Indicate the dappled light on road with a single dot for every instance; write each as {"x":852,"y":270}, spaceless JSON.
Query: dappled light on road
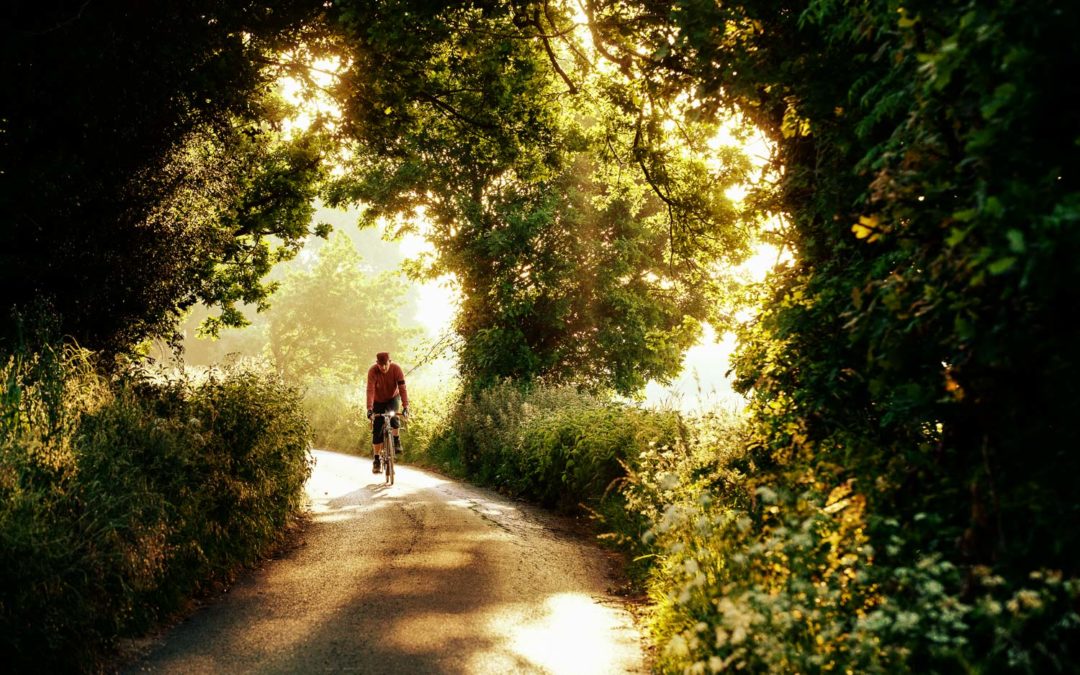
{"x":426,"y":576}
{"x":572,"y":635}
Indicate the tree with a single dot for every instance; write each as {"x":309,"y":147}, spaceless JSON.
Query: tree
{"x":583,"y":238}
{"x":142,"y":162}
{"x":914,"y":351}
{"x":330,"y":321}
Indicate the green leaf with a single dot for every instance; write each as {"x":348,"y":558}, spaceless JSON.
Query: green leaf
{"x":956,"y":235}
{"x":1002,"y":265}
{"x":1016,"y":241}
{"x":1001,"y":97}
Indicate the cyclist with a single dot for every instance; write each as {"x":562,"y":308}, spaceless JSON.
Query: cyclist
{"x":385,"y":391}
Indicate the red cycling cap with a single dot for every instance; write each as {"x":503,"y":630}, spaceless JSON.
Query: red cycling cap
{"x":382,"y":358}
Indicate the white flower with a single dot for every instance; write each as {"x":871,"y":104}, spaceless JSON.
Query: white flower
{"x":767,"y":494}
{"x":677,"y":646}
{"x":721,"y":637}
{"x":738,"y":635}
{"x":667,"y":481}
{"x":905,"y":620}
{"x":1029,"y":599}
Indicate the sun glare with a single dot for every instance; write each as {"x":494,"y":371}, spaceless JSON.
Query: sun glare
{"x":439,"y":299}
{"x":310,"y":97}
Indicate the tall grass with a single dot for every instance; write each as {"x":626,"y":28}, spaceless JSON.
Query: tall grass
{"x":120,"y":498}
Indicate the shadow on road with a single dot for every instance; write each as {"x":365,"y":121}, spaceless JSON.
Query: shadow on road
{"x":404,"y":580}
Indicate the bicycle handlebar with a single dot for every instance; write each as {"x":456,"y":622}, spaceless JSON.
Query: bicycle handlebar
{"x":389,"y":414}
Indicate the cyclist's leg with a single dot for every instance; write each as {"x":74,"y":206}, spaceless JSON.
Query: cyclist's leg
{"x":377,"y":434}
{"x":395,"y":424}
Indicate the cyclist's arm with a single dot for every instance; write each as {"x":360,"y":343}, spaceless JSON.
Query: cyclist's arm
{"x":402,"y":390}
{"x":370,"y":390}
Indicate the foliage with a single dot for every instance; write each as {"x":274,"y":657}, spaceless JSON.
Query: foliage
{"x":548,"y":443}
{"x":331,"y":315}
{"x":120,"y":499}
{"x":912,"y":370}
{"x":143,"y":161}
{"x":913,"y":353}
{"x":336,"y":414}
{"x":581,"y":233}
{"x":775,"y":579}
{"x":329,"y":321}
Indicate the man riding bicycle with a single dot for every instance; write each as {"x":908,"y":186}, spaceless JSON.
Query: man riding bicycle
{"x":385,"y":390}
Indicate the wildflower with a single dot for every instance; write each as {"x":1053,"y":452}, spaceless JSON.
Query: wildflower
{"x":677,"y":646}
{"x":906,"y":620}
{"x":767,"y":494}
{"x":933,"y":587}
{"x":1029,"y":599}
{"x":738,"y":634}
{"x":667,"y":481}
{"x":721,"y":637}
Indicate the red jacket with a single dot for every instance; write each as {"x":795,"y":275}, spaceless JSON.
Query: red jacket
{"x":383,"y":387}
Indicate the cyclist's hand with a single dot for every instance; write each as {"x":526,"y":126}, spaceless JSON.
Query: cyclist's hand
{"x":370,"y":412}
{"x":405,"y":411}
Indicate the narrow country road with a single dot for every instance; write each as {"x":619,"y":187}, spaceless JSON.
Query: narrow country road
{"x":427,"y":576}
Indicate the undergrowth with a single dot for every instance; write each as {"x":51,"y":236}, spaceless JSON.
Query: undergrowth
{"x":753,"y":565}
{"x":121,"y":497}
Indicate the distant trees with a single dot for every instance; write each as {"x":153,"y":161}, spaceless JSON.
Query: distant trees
{"x":330,"y":321}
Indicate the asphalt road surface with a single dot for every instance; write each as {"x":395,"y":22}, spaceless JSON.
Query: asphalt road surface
{"x":427,"y":576}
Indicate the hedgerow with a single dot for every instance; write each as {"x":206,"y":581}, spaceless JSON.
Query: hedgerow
{"x":122,"y":497}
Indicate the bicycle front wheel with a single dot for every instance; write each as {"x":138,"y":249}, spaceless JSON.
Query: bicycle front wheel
{"x":388,"y":455}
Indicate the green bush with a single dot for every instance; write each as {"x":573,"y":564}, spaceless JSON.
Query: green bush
{"x":759,"y":568}
{"x":753,"y":564}
{"x":121,"y":498}
{"x":336,"y":413}
{"x":552,"y":444}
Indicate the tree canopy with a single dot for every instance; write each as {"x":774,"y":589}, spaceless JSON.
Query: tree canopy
{"x":143,"y":162}
{"x":581,"y":219}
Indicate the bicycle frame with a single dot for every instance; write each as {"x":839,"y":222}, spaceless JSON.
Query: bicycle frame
{"x":387,"y":452}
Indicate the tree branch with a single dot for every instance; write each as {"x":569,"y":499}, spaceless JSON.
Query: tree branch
{"x":535,"y":22}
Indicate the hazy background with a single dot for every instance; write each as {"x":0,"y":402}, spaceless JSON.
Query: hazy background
{"x":424,"y":311}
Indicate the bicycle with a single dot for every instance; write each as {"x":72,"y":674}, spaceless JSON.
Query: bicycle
{"x":387,"y":453}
